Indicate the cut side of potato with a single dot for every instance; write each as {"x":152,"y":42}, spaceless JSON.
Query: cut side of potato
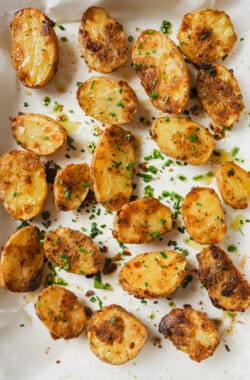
{"x":142,"y":221}
{"x":38,"y":133}
{"x":153,"y":274}
{"x":162,"y":71}
{"x":115,"y":336}
{"x":22,"y":261}
{"x":60,"y":312}
{"x":206,"y":35}
{"x":72,"y":251}
{"x":71,"y":186}
{"x":220,"y":94}
{"x":112,"y":167}
{"x":183,"y":139}
{"x":226,"y":286}
{"x":191,"y":331}
{"x":35,"y":51}
{"x":108,"y":100}
{"x":203,"y":216}
{"x":234,"y":184}
{"x":23,"y":186}
{"x":102,"y":41}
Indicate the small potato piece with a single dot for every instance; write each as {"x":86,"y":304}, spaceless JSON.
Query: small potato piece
{"x":23,"y":186}
{"x":203,"y":216}
{"x":73,"y":251}
{"x":115,"y":336}
{"x":142,"y":221}
{"x":71,"y":186}
{"x":162,"y":71}
{"x":38,"y":133}
{"x":183,"y":139}
{"x":102,"y":41}
{"x":22,"y":261}
{"x":112,"y":167}
{"x":108,"y":100}
{"x":153,"y":274}
{"x":220,"y":94}
{"x":35,"y":51}
{"x":234,"y":184}
{"x":226,"y":286}
{"x":191,"y":331}
{"x":60,"y":312}
{"x":206,"y":35}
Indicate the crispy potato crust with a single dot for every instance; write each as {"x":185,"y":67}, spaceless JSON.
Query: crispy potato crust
{"x":115,"y":336}
{"x":226,"y":286}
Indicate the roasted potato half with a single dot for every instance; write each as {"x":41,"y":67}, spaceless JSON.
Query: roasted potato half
{"x":234,"y":184}
{"x":112,"y":167}
{"x":38,"y":133}
{"x":220,"y":94}
{"x":22,"y":261}
{"x":153,"y":274}
{"x":23,"y":186}
{"x":72,"y":251}
{"x":60,"y":312}
{"x":206,"y":35}
{"x":102,"y":41}
{"x":35,"y":51}
{"x":115,"y":336}
{"x":108,"y":100}
{"x":162,"y":71}
{"x":141,"y":221}
{"x":191,"y":331}
{"x":203,"y":216}
{"x":226,"y":286}
{"x":183,"y":139}
{"x":71,"y":186}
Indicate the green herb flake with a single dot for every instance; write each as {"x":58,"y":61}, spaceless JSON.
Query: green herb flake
{"x":46,"y":101}
{"x":154,"y":95}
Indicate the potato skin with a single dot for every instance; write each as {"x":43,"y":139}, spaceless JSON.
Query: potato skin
{"x":22,"y":261}
{"x":153,"y":274}
{"x":234,"y":184}
{"x":115,"y":336}
{"x":35,"y":51}
{"x":162,"y":71}
{"x":141,"y":221}
{"x":102,"y":41}
{"x":203,"y":216}
{"x":226,"y":286}
{"x":191,"y":331}
{"x":183,"y":139}
{"x":60,"y":312}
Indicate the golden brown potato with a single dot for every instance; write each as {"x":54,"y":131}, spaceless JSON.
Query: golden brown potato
{"x":203,"y":216}
{"x":226,"y":286}
{"x":108,"y":100}
{"x":112,"y":167}
{"x":71,"y":186}
{"x":220,"y":94}
{"x":115,"y":335}
{"x":35,"y":49}
{"x":206,"y":35}
{"x":72,"y":251}
{"x":234,"y":184}
{"x":23,"y":186}
{"x":60,"y":312}
{"x":22,"y":261}
{"x":162,"y":71}
{"x":102,"y":41}
{"x":153,"y":274}
{"x":191,"y":331}
{"x":183,"y":139}
{"x":142,"y":221}
{"x":38,"y":133}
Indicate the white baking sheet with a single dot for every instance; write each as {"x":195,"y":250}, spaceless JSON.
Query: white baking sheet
{"x":26,"y":350}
